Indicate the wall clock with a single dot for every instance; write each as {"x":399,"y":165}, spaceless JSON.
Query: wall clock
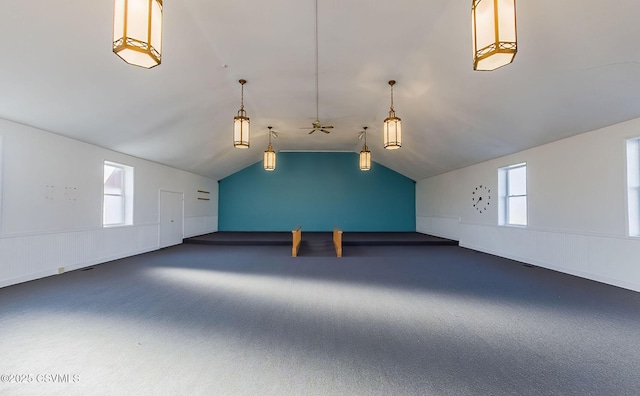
{"x":481,"y":198}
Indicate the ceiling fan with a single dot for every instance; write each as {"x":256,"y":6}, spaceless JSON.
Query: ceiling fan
{"x":317,"y":125}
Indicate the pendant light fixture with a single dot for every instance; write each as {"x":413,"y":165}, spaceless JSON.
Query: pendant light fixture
{"x":494,"y":33}
{"x":137,"y":32}
{"x":241,"y":124}
{"x":392,"y":129}
{"x":365,"y":154}
{"x":269,"y":154}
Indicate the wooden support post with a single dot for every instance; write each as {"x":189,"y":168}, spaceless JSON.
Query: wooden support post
{"x":337,"y":241}
{"x":297,"y":237}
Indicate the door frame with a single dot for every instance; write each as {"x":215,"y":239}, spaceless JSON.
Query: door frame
{"x":160,"y":191}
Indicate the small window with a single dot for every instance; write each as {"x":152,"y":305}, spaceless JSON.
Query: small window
{"x":633,"y":186}
{"x":512,"y":183}
{"x":118,"y":195}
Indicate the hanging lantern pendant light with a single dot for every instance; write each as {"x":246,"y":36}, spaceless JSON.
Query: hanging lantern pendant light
{"x":270,"y":155}
{"x":392,"y":127}
{"x":137,"y":32}
{"x":365,"y":154}
{"x":495,"y":41}
{"x":241,"y":124}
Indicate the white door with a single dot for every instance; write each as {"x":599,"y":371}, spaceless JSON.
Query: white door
{"x":171,"y":218}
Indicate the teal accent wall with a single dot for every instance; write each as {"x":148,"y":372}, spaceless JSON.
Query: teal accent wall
{"x":316,"y":191}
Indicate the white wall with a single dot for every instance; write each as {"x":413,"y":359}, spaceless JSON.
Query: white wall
{"x":51,"y":204}
{"x":577,"y":220}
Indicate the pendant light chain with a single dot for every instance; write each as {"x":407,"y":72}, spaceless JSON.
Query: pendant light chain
{"x":242,"y":82}
{"x":392,"y":112}
{"x":317,"y":89}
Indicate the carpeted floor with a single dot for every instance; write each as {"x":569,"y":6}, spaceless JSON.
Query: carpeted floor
{"x":216,"y":320}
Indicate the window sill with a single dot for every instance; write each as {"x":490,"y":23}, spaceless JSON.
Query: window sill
{"x":116,"y":225}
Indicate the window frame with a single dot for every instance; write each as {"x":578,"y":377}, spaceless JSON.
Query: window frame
{"x":505,"y":195}
{"x":126,"y":195}
{"x":633,"y":186}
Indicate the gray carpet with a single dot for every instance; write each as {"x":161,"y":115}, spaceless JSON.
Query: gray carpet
{"x":215,"y":320}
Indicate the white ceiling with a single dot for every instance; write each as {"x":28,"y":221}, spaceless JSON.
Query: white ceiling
{"x":577,"y":69}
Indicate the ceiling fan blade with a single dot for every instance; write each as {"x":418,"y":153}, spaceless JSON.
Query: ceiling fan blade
{"x":328,"y":127}
{"x":312,"y":131}
{"x":324,"y":131}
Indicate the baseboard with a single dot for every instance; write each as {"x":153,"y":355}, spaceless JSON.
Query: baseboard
{"x":440,"y":235}
{"x":191,"y":235}
{"x":110,"y":258}
{"x":28,"y":277}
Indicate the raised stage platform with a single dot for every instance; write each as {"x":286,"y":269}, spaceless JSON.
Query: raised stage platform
{"x":348,"y":238}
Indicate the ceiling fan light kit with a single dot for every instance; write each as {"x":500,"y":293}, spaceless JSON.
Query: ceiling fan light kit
{"x":241,"y":124}
{"x":317,"y":126}
{"x":493,"y":25}
{"x":392,"y":127}
{"x":137,"y":32}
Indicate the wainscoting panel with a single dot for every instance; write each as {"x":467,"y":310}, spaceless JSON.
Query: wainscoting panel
{"x":603,"y":258}
{"x":31,"y":256}
{"x":444,"y":227}
{"x":28,"y":257}
{"x":200,"y":225}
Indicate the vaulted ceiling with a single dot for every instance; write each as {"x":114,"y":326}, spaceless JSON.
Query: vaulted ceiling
{"x":577,"y":69}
